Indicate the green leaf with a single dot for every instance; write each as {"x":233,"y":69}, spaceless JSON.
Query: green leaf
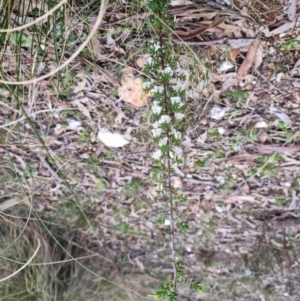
{"x":195,"y":286}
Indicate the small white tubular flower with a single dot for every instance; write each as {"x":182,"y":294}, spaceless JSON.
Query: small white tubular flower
{"x":179,"y":116}
{"x":177,"y":151}
{"x":164,"y":119}
{"x":156,"y":46}
{"x":182,"y":72}
{"x":163,"y":141}
{"x":156,"y":132}
{"x":180,"y":86}
{"x":157,"y":154}
{"x":156,"y":125}
{"x":176,"y":100}
{"x":147,"y":85}
{"x":177,"y":135}
{"x":159,"y":89}
{"x":156,"y":108}
{"x":149,"y":60}
{"x":168,"y":70}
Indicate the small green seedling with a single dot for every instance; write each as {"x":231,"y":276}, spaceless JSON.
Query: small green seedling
{"x":290,"y":45}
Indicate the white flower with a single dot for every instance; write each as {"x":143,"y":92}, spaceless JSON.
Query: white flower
{"x":164,"y":119}
{"x":177,"y":151}
{"x":156,"y":108}
{"x":179,"y":116}
{"x":147,"y":84}
{"x":182,"y":72}
{"x":168,"y":70}
{"x":149,"y":60}
{"x":176,"y":100}
{"x":180,"y":86}
{"x":159,"y":188}
{"x":163,"y":141}
{"x":157,"y":154}
{"x":74,"y":125}
{"x":156,"y":125}
{"x":156,"y":132}
{"x":176,"y":134}
{"x":159,"y":89}
{"x":156,"y":46}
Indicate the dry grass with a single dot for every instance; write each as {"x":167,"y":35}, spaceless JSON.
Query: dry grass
{"x":113,"y":187}
{"x":52,"y":274}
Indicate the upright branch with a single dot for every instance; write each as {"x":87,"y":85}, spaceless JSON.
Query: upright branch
{"x":167,"y":110}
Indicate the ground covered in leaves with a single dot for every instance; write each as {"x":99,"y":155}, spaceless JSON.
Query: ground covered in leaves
{"x":241,"y":142}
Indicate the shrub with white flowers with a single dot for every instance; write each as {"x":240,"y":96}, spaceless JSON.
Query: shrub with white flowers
{"x":168,"y":117}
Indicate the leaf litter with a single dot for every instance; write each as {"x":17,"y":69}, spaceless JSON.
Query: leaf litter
{"x":241,"y":180}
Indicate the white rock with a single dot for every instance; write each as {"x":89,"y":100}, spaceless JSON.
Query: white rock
{"x":221,"y":130}
{"x":111,"y":139}
{"x":272,"y":50}
{"x":199,"y":232}
{"x":279,"y":77}
{"x":188,"y":248}
{"x":225,"y":66}
{"x":220,"y":179}
{"x":167,"y":222}
{"x":74,"y":125}
{"x":217,"y":112}
{"x":261,"y":125}
{"x":219,"y":208}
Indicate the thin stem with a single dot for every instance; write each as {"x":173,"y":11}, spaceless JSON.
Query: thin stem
{"x":171,"y":211}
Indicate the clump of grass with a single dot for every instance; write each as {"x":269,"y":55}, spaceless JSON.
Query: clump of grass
{"x":52,"y":274}
{"x":133,"y":187}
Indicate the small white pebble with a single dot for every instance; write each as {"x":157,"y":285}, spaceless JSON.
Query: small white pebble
{"x":219,"y":209}
{"x":225,"y":66}
{"x":217,"y":112}
{"x":248,"y":272}
{"x":167,"y":222}
{"x":261,"y":124}
{"x":188,"y":248}
{"x":279,"y":77}
{"x":74,"y":125}
{"x":220,"y":179}
{"x":199,"y":232}
{"x":272,"y":50}
{"x":221,"y":130}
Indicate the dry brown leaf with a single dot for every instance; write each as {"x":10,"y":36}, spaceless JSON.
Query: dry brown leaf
{"x":95,"y":44}
{"x":234,"y":53}
{"x":131,"y":91}
{"x":242,"y":44}
{"x":248,"y":61}
{"x":236,"y":198}
{"x":259,"y":56}
{"x":230,"y":82}
{"x":82,"y":108}
{"x":140,"y":62}
{"x":283,"y":28}
{"x":291,"y":12}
